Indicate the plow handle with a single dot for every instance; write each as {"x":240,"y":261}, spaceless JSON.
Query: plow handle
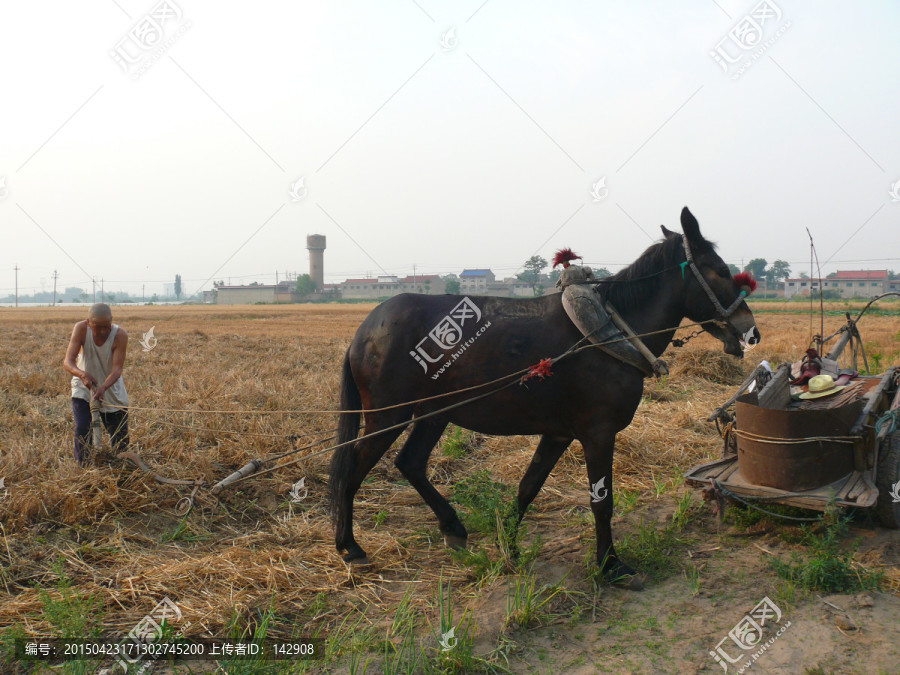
{"x":96,"y":435}
{"x":251,"y":467}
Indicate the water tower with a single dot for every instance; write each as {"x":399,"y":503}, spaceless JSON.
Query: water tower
{"x":315,"y":244}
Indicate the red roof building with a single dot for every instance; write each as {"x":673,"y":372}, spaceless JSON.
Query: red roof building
{"x":864,"y":275}
{"x":846,"y":283}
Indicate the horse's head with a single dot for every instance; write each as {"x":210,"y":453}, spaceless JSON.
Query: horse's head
{"x":711,"y":293}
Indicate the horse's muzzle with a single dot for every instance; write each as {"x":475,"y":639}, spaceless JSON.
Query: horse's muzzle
{"x":752,"y":336}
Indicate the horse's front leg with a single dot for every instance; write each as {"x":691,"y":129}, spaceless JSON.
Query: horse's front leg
{"x":598,"y":444}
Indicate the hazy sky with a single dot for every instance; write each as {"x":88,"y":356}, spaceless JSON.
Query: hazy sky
{"x":440,"y":135}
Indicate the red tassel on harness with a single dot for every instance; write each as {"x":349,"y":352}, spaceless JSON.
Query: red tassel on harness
{"x":564,"y":256}
{"x":541,"y":370}
{"x":744,"y":279}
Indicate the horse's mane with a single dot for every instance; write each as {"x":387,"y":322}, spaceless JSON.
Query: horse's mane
{"x":633,"y":286}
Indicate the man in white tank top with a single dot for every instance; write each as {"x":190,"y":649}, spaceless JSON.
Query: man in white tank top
{"x":99,"y":346}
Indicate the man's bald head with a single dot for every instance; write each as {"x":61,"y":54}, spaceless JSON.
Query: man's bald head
{"x":99,"y":311}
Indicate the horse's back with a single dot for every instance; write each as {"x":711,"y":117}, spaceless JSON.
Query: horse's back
{"x":414,"y":344}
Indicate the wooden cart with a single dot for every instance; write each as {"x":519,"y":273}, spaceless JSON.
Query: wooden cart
{"x":841,"y":450}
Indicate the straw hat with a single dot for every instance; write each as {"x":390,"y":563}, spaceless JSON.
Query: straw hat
{"x":821,"y":385}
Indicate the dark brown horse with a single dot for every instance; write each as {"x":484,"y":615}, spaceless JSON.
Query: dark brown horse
{"x":416,"y":346}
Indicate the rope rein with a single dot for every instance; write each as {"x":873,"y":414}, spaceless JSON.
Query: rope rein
{"x":574,"y":348}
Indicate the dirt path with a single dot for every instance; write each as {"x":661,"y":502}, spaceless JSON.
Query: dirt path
{"x":674,"y":624}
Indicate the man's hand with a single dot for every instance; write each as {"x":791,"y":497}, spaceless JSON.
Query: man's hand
{"x":88,"y":379}
{"x":98,"y":393}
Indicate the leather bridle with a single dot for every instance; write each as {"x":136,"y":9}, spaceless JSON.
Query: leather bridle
{"x":722,"y":312}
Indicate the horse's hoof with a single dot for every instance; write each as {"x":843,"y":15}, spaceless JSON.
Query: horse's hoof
{"x":358,"y":561}
{"x":622,"y":575}
{"x":629,"y":582}
{"x":456,"y":542}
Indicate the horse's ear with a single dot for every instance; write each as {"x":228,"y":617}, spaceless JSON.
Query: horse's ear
{"x":690,"y":226}
{"x":667,"y":232}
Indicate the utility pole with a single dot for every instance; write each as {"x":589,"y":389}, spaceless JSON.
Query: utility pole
{"x":16,"y":268}
{"x":101,"y":289}
{"x":55,"y":277}
{"x":142,"y":291}
{"x":94,"y":290}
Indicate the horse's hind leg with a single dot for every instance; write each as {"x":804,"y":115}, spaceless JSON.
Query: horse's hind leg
{"x":548,"y":452}
{"x":412,"y":461}
{"x":368,"y":450}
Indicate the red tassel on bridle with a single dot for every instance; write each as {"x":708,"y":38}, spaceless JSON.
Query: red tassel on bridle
{"x":541,"y":370}
{"x":744,"y":281}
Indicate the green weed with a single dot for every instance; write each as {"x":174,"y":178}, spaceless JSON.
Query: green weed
{"x":254,"y":629}
{"x":652,"y":549}
{"x":691,"y":574}
{"x":874,"y":357}
{"x":480,"y":498}
{"x":182,"y":532}
{"x":349,"y":638}
{"x":456,"y":641}
{"x":526,"y":603}
{"x":489,"y":508}
{"x":685,"y":510}
{"x":380,"y":517}
{"x":746,"y":517}
{"x":625,"y":500}
{"x":401,"y":652}
{"x":319,"y":604}
{"x":458,"y":442}
{"x":785,"y":594}
{"x":830,"y":565}
{"x":73,"y":614}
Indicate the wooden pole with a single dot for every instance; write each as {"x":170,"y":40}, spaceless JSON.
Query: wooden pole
{"x":659,"y":366}
{"x":95,"y":424}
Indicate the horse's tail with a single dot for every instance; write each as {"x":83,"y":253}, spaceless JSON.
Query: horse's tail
{"x":343,"y":461}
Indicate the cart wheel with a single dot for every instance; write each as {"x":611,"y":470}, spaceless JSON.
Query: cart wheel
{"x":888,"y":482}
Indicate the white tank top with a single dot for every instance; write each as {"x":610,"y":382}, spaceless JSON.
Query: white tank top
{"x":97,"y":361}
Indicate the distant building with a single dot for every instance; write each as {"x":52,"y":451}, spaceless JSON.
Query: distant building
{"x":255,"y":293}
{"x":508,"y":288}
{"x":209,"y":296}
{"x":848,"y":283}
{"x":475,"y":282}
{"x":389,"y":286}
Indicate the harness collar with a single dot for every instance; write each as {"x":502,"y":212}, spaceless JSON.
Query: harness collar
{"x":720,"y":310}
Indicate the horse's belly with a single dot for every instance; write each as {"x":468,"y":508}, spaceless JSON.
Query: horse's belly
{"x":515,"y":424}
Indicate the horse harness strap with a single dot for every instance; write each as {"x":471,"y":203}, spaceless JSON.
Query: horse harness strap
{"x":603,"y":325}
{"x":723,"y":313}
{"x":658,"y":367}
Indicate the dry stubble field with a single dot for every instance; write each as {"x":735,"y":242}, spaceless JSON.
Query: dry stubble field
{"x":91,"y":551}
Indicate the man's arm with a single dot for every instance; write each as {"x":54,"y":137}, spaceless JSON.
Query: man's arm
{"x":75,"y":344}
{"x":120,"y":345}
